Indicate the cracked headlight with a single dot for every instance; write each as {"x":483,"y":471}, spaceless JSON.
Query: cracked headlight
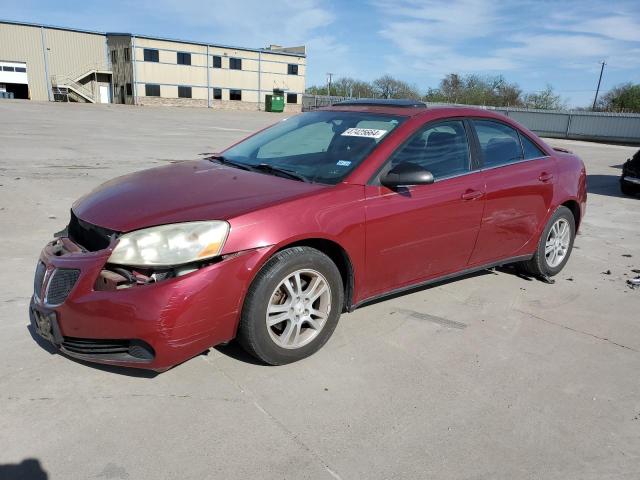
{"x":173,"y":244}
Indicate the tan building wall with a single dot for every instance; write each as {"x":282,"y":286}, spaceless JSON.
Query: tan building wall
{"x":68,"y":52}
{"x":261,"y":72}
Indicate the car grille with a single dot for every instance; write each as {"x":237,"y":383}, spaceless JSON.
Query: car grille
{"x":60,"y":285}
{"x":124,"y":350}
{"x":41,"y":270}
{"x":88,"y":236}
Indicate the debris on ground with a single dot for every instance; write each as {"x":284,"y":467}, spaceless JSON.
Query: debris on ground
{"x":627,"y":255}
{"x":570,"y":279}
{"x":634,"y":282}
{"x":545,"y":279}
{"x":608,"y":272}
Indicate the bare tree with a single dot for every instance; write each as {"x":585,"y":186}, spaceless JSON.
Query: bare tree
{"x":389,"y":87}
{"x":547,"y":99}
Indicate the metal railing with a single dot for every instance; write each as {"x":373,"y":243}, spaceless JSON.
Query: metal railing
{"x":62,"y":81}
{"x":570,"y":124}
{"x":80,"y":73}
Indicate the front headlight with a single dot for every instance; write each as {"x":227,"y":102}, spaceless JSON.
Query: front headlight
{"x":168,"y":245}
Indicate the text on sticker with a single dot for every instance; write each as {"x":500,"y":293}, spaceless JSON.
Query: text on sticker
{"x":363,"y":132}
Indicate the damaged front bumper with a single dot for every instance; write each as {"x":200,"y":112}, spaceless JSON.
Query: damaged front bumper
{"x":154,"y":326}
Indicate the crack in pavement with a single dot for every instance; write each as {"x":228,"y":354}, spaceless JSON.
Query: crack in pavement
{"x":128,"y":395}
{"x":296,"y":439}
{"x":575,"y":330}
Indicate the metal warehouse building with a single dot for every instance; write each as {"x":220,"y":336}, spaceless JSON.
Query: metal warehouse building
{"x":43,"y":62}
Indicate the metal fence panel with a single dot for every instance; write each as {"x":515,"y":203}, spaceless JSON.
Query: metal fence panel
{"x":553,"y":124}
{"x":601,"y":126}
{"x":615,"y":128}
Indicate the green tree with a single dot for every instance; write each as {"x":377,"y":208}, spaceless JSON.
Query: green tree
{"x":622,"y":98}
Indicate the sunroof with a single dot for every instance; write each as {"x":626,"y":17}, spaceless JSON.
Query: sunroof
{"x":383,"y":102}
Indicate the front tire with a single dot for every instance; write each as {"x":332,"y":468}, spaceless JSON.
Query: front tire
{"x":292,"y":306}
{"x":554,"y":246}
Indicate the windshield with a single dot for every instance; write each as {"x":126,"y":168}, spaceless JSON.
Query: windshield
{"x":321,"y":147}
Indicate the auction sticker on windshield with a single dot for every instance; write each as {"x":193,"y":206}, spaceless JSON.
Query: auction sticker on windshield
{"x":364,"y":132}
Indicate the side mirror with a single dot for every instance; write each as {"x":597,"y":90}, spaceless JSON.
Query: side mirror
{"x":407,"y":174}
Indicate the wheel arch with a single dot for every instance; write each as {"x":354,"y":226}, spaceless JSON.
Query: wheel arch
{"x":574,"y":207}
{"x":337,"y":254}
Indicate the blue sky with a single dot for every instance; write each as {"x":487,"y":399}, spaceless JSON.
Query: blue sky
{"x":530,"y":42}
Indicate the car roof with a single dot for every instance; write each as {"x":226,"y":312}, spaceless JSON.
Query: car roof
{"x":412,"y":108}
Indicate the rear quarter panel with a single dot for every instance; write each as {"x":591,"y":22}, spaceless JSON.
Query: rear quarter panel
{"x":571,"y":183}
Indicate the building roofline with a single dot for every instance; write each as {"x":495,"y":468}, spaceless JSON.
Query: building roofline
{"x":151,"y":37}
{"x":220,"y":45}
{"x":52,"y":27}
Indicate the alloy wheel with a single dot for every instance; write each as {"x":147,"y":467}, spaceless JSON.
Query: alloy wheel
{"x":557,"y":244}
{"x":298,"y":309}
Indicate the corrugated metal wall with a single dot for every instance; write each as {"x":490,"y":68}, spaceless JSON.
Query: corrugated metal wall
{"x":69,"y":52}
{"x":577,"y":125}
{"x":23,"y":44}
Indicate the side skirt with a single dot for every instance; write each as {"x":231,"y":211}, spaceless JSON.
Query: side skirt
{"x":440,"y":279}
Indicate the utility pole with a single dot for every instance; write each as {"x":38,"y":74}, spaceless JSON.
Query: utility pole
{"x":329,"y":76}
{"x":595,"y":99}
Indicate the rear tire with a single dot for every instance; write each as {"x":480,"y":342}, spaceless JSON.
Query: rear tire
{"x":554,"y":246}
{"x":292,"y":307}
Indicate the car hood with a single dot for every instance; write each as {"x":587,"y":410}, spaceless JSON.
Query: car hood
{"x":183,"y":192}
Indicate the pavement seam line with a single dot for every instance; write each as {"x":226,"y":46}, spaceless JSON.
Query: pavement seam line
{"x":578,"y":331}
{"x":296,"y":439}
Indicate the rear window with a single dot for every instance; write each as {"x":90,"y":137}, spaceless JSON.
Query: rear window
{"x":530,"y":149}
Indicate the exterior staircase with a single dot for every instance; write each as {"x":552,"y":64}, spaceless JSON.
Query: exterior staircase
{"x":67,"y":88}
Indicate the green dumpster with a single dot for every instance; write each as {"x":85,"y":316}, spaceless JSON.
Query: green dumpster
{"x":274,"y":102}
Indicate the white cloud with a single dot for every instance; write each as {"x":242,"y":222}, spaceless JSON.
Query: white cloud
{"x":437,"y":37}
{"x":247,"y":22}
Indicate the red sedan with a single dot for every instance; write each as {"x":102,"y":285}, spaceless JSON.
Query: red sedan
{"x":271,"y":240}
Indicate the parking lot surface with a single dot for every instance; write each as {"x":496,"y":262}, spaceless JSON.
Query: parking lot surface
{"x":492,"y":376}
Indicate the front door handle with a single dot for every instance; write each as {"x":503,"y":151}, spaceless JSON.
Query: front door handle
{"x":471,"y":194}
{"x":545,"y":177}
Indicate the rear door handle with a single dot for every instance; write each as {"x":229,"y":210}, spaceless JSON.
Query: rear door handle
{"x":545,"y":177}
{"x":471,"y":194}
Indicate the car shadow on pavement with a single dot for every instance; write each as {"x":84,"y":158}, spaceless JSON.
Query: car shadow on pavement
{"x":510,"y":270}
{"x":129,"y":372}
{"x":27,"y":469}
{"x":235,"y":351}
{"x":605,"y":185}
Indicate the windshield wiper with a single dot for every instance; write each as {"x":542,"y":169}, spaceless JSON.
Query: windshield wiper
{"x":265,"y":167}
{"x":261,"y":167}
{"x":226,"y":161}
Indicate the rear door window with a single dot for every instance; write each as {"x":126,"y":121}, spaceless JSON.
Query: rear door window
{"x":500,"y":144}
